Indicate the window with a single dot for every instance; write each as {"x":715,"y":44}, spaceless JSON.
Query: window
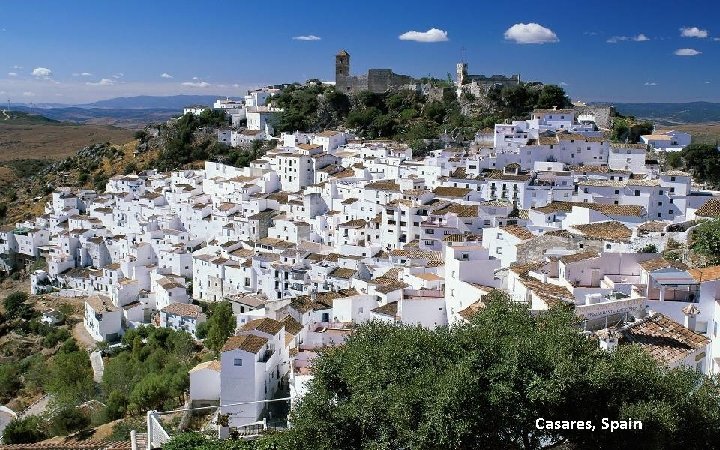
{"x":429,"y":231}
{"x":607,"y":246}
{"x":237,"y":362}
{"x":672,"y":178}
{"x":617,"y":191}
{"x":637,"y":192}
{"x":498,"y":250}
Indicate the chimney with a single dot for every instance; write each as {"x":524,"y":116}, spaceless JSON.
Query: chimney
{"x":691,"y":311}
{"x":609,"y":338}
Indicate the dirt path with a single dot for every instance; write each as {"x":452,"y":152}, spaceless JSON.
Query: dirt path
{"x":82,"y":336}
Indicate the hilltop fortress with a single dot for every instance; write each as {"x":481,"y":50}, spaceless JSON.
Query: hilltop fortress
{"x":383,"y":80}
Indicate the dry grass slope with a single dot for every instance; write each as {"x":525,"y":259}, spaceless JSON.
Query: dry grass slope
{"x":22,"y":138}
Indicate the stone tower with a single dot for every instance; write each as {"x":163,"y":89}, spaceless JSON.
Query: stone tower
{"x":462,"y":69}
{"x":342,"y":70}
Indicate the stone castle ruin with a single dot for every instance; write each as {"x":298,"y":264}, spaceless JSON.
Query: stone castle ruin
{"x":376,"y":80}
{"x":478,"y":85}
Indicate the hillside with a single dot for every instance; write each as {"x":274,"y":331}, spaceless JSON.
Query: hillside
{"x":672,"y":113}
{"x":30,"y":136}
{"x":153,"y":102}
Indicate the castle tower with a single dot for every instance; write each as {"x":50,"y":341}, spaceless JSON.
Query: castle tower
{"x":342,"y":70}
{"x":462,"y":69}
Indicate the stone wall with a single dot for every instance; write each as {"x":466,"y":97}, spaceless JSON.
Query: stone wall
{"x":603,"y":114}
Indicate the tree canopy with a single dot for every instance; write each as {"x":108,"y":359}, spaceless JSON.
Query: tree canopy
{"x":220,"y":325}
{"x":406,"y":115}
{"x":484,"y":385}
{"x":706,"y":240}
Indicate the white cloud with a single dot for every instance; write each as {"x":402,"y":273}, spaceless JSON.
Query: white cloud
{"x":693,"y":32}
{"x":82,"y":74}
{"x":118,"y":75}
{"x":616,"y":39}
{"x":639,"y":38}
{"x":165,"y":75}
{"x":12,"y":74}
{"x":562,"y":83}
{"x":431,"y":35}
{"x":308,"y":37}
{"x":28,"y":94}
{"x":707,"y":82}
{"x":686,"y":52}
{"x":530,"y":33}
{"x":716,"y":39}
{"x":103,"y":82}
{"x":42,"y":72}
{"x":16,"y":67}
{"x":650,"y":83}
{"x":198,"y":84}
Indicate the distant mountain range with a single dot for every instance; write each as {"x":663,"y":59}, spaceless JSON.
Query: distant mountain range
{"x":154,"y":102}
{"x":672,"y":113}
{"x":134,"y":112}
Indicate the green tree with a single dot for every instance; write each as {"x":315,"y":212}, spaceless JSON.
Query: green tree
{"x":9,"y":381}
{"x":221,"y":325}
{"x":674,"y":160}
{"x":552,"y":96}
{"x":16,"y":306}
{"x":70,"y":379}
{"x":66,"y":420}
{"x":485,"y":383}
{"x":24,"y":431}
{"x":703,"y":161}
{"x":706,"y":240}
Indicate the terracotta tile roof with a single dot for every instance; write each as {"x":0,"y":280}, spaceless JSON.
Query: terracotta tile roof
{"x":524,"y":269}
{"x":291,"y":325}
{"x":183,"y":309}
{"x":387,"y":285}
{"x":675,"y":173}
{"x":472,"y":309}
{"x":414,"y":253}
{"x":499,"y":175}
{"x":389,"y":309}
{"x":706,"y":273}
{"x":664,"y":339}
{"x":452,"y":192}
{"x":551,"y":294}
{"x":266,"y":325}
{"x":342,"y":272}
{"x":710,"y":208}
{"x":355,"y":223}
{"x":582,"y":256}
{"x":652,"y":226}
{"x":323,"y":300}
{"x":652,"y":265}
{"x":610,"y":231}
{"x":457,"y":209}
{"x":247,"y":342}
{"x":518,"y":231}
{"x":643,"y":182}
{"x":604,"y":208}
{"x":383,"y":185}
{"x":602,"y":183}
{"x":212,"y":365}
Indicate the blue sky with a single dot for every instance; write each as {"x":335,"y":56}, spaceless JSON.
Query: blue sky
{"x":77,"y":51}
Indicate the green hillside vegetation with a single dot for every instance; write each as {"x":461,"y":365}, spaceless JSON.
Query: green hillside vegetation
{"x":484,"y":384}
{"x":24,"y":118}
{"x":408,"y":116}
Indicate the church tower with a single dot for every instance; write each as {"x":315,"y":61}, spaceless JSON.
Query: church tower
{"x":462,"y":69}
{"x":342,"y":70}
